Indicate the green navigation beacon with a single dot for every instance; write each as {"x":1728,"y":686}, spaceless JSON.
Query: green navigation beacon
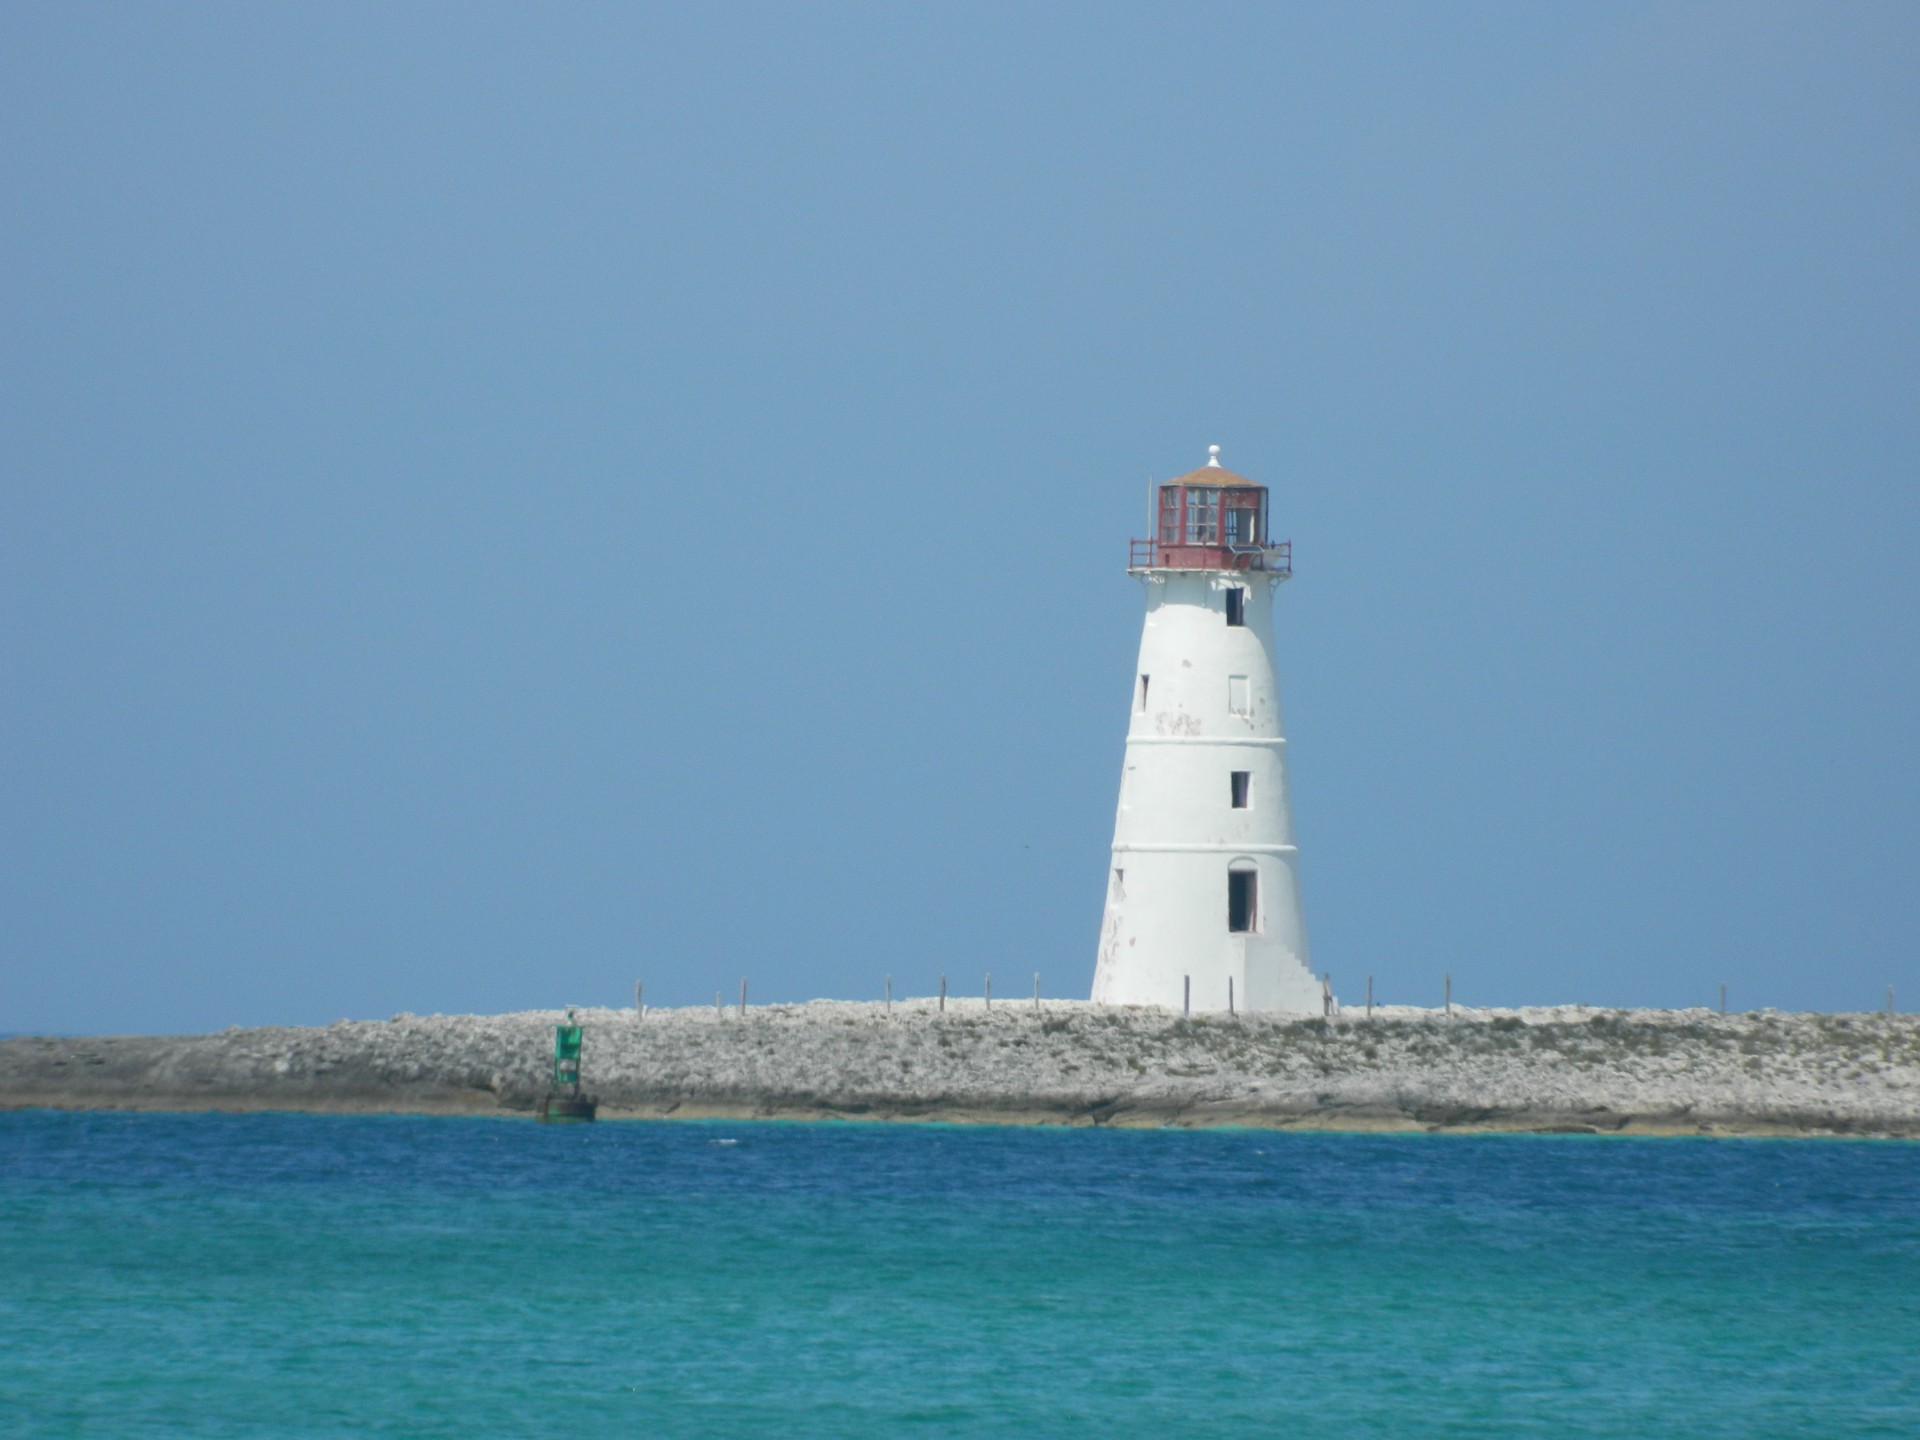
{"x":564,"y":1102}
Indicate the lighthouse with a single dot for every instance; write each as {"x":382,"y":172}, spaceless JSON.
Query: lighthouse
{"x":1203,"y":896}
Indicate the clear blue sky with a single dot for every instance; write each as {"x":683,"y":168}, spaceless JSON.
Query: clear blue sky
{"x":503,"y":500}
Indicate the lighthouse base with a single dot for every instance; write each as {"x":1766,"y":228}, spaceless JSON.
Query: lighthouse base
{"x":1262,"y":977}
{"x":1170,"y":935}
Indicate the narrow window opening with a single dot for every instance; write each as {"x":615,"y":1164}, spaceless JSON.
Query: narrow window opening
{"x":1236,"y":606}
{"x":1242,"y":783}
{"x":1119,"y":884}
{"x":1239,"y":702}
{"x":1143,"y":694}
{"x":1243,"y":896}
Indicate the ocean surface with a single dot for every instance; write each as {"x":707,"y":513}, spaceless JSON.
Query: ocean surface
{"x":284,"y":1275}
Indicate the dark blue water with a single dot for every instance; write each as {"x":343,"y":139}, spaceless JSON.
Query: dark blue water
{"x":277,"y":1275}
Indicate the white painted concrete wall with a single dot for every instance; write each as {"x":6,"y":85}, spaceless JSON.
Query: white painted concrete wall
{"x":1176,"y":835}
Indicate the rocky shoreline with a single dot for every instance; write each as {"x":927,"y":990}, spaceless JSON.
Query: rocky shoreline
{"x":1545,"y":1069}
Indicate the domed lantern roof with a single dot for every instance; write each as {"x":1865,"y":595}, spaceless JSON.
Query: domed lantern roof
{"x":1216,"y":474}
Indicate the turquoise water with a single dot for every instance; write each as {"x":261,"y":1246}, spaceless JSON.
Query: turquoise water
{"x":278,"y":1275}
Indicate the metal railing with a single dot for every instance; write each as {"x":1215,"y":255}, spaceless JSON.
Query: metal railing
{"x":1177,"y":555}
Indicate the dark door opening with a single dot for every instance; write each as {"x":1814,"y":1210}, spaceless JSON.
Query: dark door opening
{"x":1243,"y":901}
{"x":1236,"y":606}
{"x":1242,"y":783}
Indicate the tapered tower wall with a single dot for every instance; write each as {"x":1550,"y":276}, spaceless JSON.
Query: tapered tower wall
{"x":1209,"y":707}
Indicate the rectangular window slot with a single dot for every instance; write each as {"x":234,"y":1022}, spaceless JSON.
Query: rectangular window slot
{"x":1239,"y":701}
{"x":1243,"y":901}
{"x":1242,"y":783}
{"x":1143,"y":694}
{"x":1236,"y":606}
{"x":1119,"y":884}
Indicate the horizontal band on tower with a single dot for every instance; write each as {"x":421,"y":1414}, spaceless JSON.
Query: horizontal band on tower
{"x":1275,"y":740}
{"x":1211,"y":849}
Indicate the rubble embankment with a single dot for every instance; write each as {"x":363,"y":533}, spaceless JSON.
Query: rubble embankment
{"x":1552,"y":1069}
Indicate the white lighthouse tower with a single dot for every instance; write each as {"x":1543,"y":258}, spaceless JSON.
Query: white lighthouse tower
{"x":1203,"y":899}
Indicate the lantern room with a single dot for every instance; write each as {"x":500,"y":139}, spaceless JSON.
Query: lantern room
{"x":1210,"y":519}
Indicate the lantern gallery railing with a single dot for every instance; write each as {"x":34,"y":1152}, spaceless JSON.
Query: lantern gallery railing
{"x":1174,"y":555}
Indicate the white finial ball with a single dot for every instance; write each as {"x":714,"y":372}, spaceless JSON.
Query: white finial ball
{"x":1213,"y":454}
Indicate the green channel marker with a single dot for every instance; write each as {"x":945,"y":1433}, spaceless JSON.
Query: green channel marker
{"x":564,"y":1103}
